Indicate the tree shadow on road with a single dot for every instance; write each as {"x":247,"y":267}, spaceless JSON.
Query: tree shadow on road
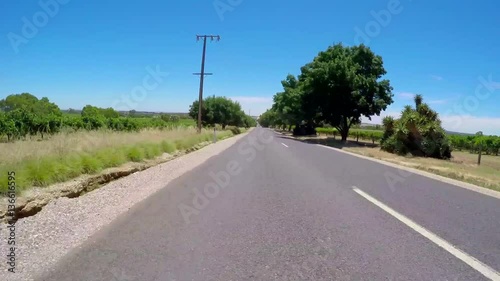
{"x":330,"y":141}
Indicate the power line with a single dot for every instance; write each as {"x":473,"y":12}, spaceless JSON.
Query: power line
{"x":202,"y":73}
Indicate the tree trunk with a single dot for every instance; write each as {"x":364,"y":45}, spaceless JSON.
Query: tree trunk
{"x":344,"y":134}
{"x":344,"y":129}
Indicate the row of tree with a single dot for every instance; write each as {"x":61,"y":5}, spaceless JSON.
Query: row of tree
{"x":337,"y":88}
{"x":221,"y":111}
{"x":24,"y":115}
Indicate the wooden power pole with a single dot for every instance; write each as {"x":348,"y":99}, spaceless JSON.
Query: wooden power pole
{"x":202,"y":73}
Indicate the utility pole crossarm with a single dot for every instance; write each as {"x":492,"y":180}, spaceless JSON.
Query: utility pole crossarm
{"x":212,"y":37}
{"x":202,"y":73}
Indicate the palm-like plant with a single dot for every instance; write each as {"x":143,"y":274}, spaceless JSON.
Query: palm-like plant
{"x":418,"y":100}
{"x":418,"y":132}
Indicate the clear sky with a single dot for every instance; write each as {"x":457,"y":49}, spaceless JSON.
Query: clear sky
{"x":102,"y":52}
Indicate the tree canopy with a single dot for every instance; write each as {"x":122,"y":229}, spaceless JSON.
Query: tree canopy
{"x":338,"y":87}
{"x":29,"y":103}
{"x":222,"y":111}
{"x":23,"y":114}
{"x":342,"y":84}
{"x":287,"y":104}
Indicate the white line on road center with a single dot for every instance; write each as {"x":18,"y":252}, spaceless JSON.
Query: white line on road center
{"x":284,"y":145}
{"x":468,"y":259}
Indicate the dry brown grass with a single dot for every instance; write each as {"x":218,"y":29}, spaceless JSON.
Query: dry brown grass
{"x":463,"y":166}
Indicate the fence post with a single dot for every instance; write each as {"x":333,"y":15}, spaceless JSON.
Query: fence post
{"x":479,"y":155}
{"x":215,"y":136}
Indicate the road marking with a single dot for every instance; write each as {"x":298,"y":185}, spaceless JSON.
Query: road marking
{"x":463,"y":256}
{"x":284,"y":145}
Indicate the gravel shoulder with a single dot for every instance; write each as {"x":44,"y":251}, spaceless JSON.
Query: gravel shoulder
{"x":64,"y":224}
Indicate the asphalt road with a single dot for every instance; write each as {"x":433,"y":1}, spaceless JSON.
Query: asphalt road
{"x":287,"y":210}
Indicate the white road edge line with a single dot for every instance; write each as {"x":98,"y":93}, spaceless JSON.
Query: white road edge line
{"x":468,"y":259}
{"x":284,"y":145}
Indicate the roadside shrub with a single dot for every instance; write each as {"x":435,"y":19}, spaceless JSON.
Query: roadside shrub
{"x":167,"y":146}
{"x":417,"y":132}
{"x":235,"y":130}
{"x":90,"y":164}
{"x":151,"y":150}
{"x":135,"y":154}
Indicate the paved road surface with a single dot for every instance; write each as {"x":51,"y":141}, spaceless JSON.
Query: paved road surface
{"x":289,"y":212}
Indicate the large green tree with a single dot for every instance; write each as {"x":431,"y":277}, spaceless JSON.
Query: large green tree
{"x":26,"y":114}
{"x":93,"y":117}
{"x":18,"y":101}
{"x":342,"y":84}
{"x":29,"y":103}
{"x":268,"y":118}
{"x":287,"y":104}
{"x":219,"y":110}
{"x":109,"y":112}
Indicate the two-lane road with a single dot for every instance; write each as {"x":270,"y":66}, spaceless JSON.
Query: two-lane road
{"x":272,"y":208}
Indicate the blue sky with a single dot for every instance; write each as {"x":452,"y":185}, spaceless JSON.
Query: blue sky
{"x":103,"y":52}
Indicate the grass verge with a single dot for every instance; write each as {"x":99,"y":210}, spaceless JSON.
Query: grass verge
{"x":40,"y":164}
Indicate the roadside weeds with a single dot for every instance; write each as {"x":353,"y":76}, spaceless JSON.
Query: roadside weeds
{"x":31,"y":200}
